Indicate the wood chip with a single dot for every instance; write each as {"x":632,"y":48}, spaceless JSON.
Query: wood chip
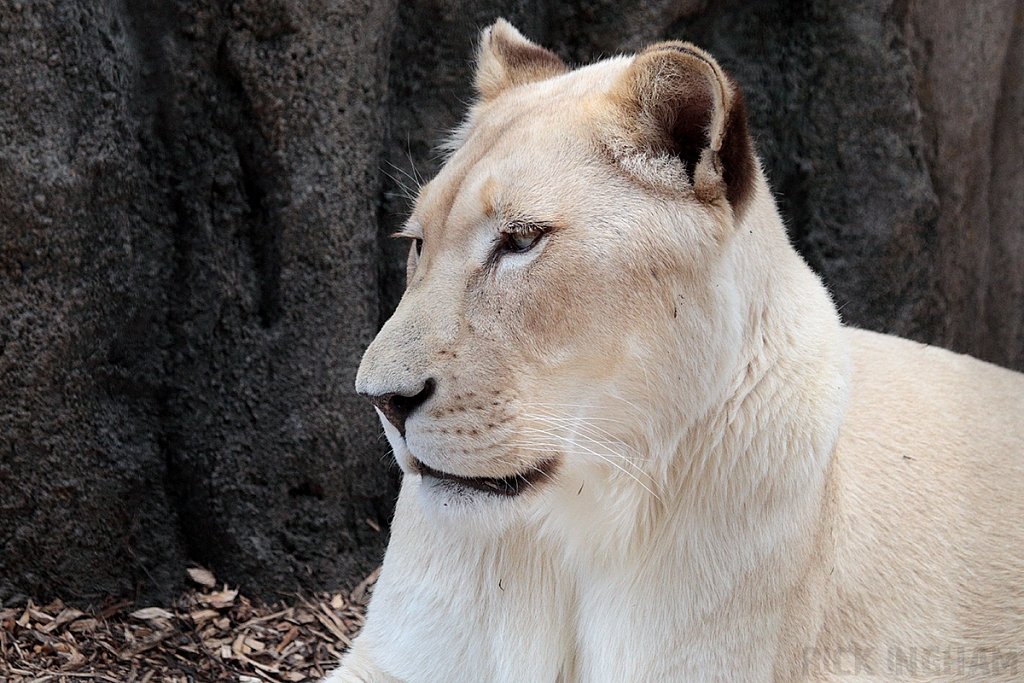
{"x":87,"y":625}
{"x":203,"y":577}
{"x":206,"y":635}
{"x":151,"y":613}
{"x":54,"y":607}
{"x":338,"y":633}
{"x":201,"y":616}
{"x":255,"y":645}
{"x":66,"y":616}
{"x":221,"y":599}
{"x":360,"y":592}
{"x":288,"y":638}
{"x":239,"y":647}
{"x":286,"y":613}
{"x":75,"y":662}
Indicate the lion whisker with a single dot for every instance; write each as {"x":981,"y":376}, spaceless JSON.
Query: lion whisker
{"x":589,"y":430}
{"x":607,"y":458}
{"x":596,"y":442}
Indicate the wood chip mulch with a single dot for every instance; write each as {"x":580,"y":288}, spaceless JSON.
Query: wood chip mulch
{"x":210,"y":634}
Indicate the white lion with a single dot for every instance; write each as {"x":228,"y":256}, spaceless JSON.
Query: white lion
{"x":637,"y":443}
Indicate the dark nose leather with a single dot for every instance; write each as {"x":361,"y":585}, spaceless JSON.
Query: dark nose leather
{"x":398,"y":407}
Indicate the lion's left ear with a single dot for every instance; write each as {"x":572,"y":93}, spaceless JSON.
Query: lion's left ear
{"x":675,"y":99}
{"x":507,"y":59}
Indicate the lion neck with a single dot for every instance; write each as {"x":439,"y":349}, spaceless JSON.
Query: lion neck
{"x":722,"y":491}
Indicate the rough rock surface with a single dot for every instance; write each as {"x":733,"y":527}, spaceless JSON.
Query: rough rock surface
{"x":195,"y":198}
{"x":969,"y":62}
{"x":84,"y":508}
{"x":269,"y":128}
{"x":189,"y":232}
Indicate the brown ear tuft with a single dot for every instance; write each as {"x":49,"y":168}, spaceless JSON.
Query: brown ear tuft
{"x":677,"y":99}
{"x":507,"y":59}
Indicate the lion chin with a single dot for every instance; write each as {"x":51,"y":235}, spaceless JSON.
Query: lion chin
{"x":637,"y":443}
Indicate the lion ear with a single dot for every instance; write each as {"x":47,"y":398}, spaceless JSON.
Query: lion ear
{"x":506,"y":59}
{"x":677,"y":99}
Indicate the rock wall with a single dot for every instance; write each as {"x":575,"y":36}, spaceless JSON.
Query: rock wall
{"x":195,"y":203}
{"x":969,"y":65}
{"x":189,"y":236}
{"x":84,"y":509}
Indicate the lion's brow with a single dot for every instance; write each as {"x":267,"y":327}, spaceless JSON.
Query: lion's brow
{"x":408,"y":231}
{"x":522,"y":224}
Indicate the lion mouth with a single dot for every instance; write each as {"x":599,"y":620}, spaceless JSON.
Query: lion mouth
{"x":510,"y":486}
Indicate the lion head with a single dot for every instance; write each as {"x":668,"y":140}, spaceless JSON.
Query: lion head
{"x":583,"y":280}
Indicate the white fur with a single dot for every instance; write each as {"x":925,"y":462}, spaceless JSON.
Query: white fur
{"x":745,"y":489}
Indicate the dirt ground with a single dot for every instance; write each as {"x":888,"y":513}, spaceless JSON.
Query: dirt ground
{"x":211,"y":633}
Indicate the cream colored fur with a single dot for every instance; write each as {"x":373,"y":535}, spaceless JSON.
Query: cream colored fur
{"x":744,"y":489}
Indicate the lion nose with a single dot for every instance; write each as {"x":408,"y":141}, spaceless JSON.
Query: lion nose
{"x":398,"y":407}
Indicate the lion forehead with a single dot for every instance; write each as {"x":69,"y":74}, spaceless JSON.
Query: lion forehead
{"x":537,"y":170}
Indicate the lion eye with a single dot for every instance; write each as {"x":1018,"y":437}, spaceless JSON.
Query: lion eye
{"x":521,"y":240}
{"x":517,"y":238}
{"x":524,"y":241}
{"x":418,"y":243}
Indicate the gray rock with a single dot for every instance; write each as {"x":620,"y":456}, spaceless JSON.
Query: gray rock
{"x":188,"y":208}
{"x":969,"y":67}
{"x":84,"y":509}
{"x":267,"y":125}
